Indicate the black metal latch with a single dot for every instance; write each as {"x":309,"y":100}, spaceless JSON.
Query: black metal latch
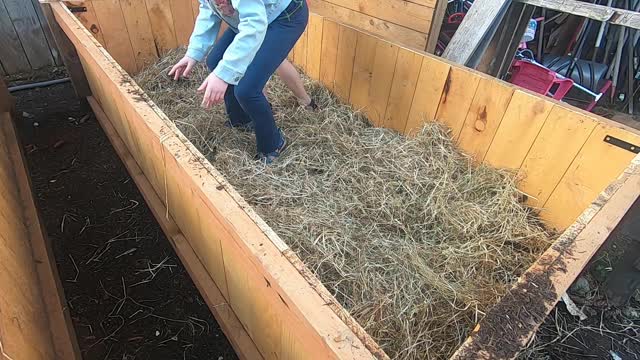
{"x":78,"y":9}
{"x":622,"y":144}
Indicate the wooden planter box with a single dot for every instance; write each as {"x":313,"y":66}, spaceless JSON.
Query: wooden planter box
{"x":34,"y":319}
{"x":580,"y":169}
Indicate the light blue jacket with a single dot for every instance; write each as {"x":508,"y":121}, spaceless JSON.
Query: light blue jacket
{"x":248,"y":18}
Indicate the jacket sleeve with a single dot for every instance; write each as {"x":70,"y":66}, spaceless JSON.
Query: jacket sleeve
{"x":205,"y":32}
{"x":242,"y":50}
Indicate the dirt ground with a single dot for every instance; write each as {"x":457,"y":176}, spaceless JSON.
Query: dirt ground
{"x":131,"y":298}
{"x":605,"y":294}
{"x":129,"y":295}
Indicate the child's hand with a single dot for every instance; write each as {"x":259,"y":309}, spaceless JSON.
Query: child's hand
{"x":214,"y":89}
{"x":182,"y":68}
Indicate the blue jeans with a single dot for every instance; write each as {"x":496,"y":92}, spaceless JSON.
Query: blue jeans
{"x":246,"y":102}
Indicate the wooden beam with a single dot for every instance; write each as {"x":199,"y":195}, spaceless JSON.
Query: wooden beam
{"x":498,"y":57}
{"x":65,"y":344}
{"x":436,"y":26}
{"x":510,"y":324}
{"x":597,"y":12}
{"x":236,"y":333}
{"x":475,"y":31}
{"x":68,"y":54}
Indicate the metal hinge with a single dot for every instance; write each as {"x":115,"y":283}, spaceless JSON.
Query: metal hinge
{"x":622,"y":144}
{"x":78,"y":9}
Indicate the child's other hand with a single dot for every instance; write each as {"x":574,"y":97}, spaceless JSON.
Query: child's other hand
{"x":182,"y":68}
{"x":214,"y":89}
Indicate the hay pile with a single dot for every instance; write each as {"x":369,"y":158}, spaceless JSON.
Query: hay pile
{"x":410,"y":237}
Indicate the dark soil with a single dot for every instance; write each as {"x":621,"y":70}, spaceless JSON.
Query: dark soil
{"x":129,"y":295}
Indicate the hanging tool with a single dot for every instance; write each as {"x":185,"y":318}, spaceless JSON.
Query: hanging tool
{"x":598,"y":45}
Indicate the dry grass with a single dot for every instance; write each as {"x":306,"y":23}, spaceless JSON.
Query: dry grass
{"x":410,"y":237}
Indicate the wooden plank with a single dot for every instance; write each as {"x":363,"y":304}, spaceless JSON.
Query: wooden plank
{"x":271,"y":298}
{"x":591,"y":171}
{"x":237,"y":335}
{"x":431,"y":84}
{"x":164,"y":31}
{"x":478,"y":26}
{"x":381,"y":80}
{"x":140,"y":32}
{"x":330,"y":36}
{"x":183,"y":20}
{"x":195,"y":7}
{"x":89,"y":19}
{"x":500,"y":335}
{"x":484,"y":117}
{"x":12,"y":56}
{"x":386,"y":29}
{"x":403,"y":88}
{"x":61,"y":327}
{"x":115,"y":33}
{"x":24,"y":324}
{"x":314,"y":48}
{"x":597,"y":12}
{"x":436,"y":25}
{"x":560,"y":140}
{"x":27,"y":26}
{"x":344,"y":62}
{"x":400,"y":12}
{"x":362,"y":70}
{"x":47,"y":32}
{"x":520,"y":127}
{"x":300,"y":53}
{"x":459,"y":91}
{"x":498,"y":57}
{"x":68,"y":54}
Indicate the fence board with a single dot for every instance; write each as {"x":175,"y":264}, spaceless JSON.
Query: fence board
{"x":561,"y":138}
{"x":314,"y":47}
{"x":162,"y":24}
{"x":141,"y":34}
{"x":89,"y":19}
{"x":458,"y":93}
{"x":397,"y":33}
{"x":589,"y":173}
{"x":431,"y":82}
{"x":115,"y":33}
{"x":381,"y":80}
{"x":403,"y":88}
{"x":330,"y":35}
{"x":47,"y":32}
{"x":183,"y":20}
{"x":12,"y":56}
{"x":344,"y":62}
{"x":520,"y":127}
{"x":29,"y":31}
{"x":484,"y":117}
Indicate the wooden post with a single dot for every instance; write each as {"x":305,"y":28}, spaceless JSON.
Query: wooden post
{"x":498,"y":57}
{"x":476,"y":31}
{"x":68,"y":54}
{"x":436,"y":25}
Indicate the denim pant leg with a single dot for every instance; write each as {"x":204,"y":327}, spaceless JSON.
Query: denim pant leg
{"x":236,"y":115}
{"x":280,"y":38}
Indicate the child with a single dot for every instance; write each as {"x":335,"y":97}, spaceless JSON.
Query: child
{"x":260,"y":36}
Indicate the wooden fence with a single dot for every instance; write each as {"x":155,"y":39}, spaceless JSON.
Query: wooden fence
{"x":25,"y":40}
